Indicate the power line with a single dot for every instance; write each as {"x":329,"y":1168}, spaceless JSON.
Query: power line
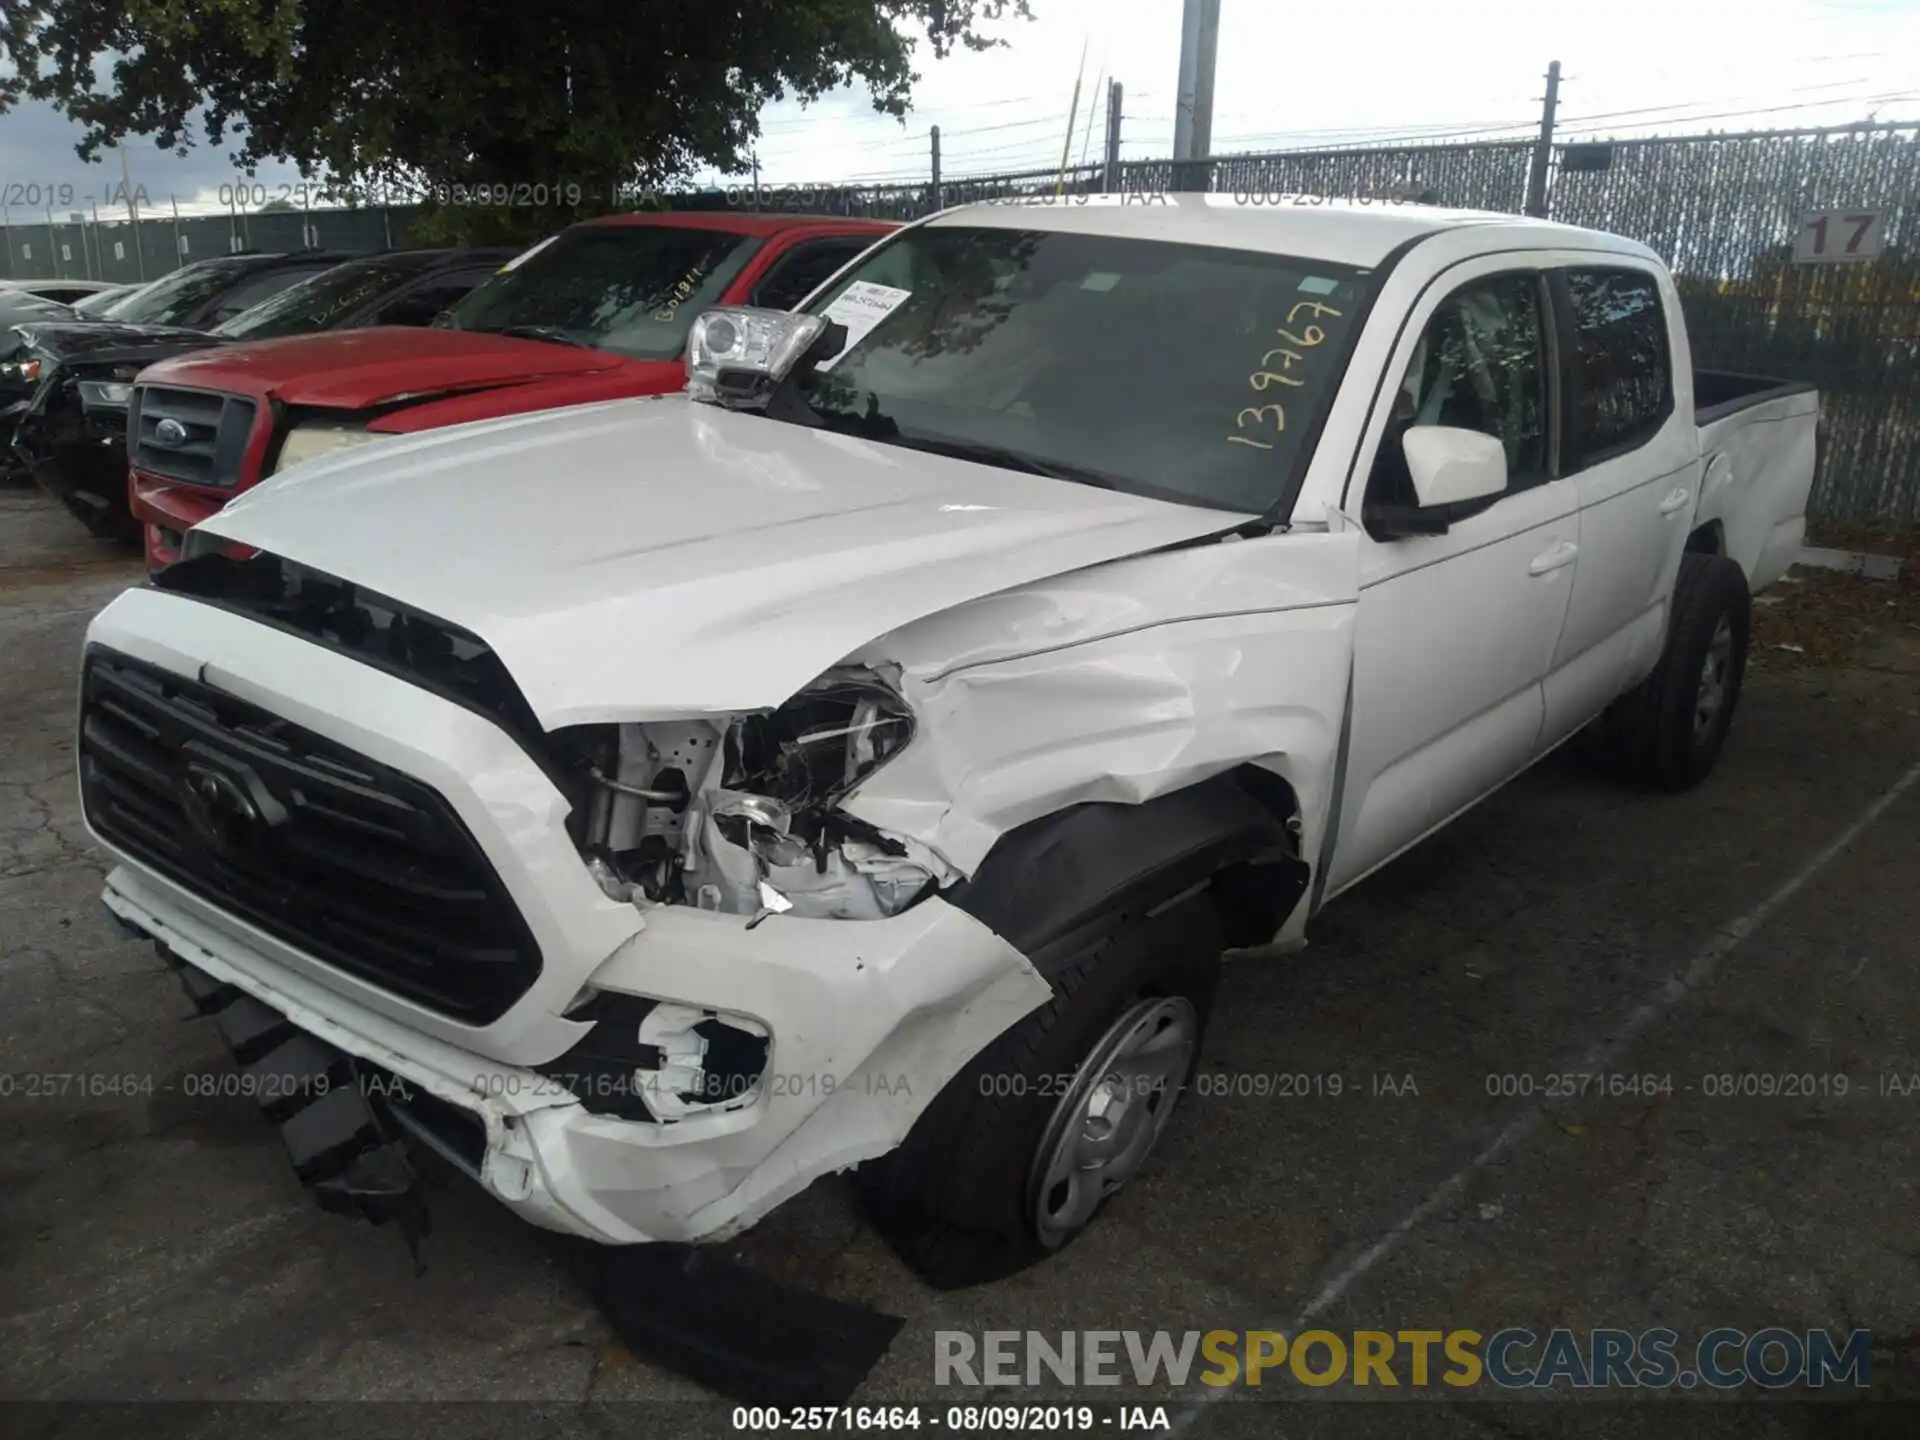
{"x":1726,"y":100}
{"x":802,"y":121}
{"x":1776,"y":109}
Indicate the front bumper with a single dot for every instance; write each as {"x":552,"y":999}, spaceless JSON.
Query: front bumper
{"x":166,"y":512}
{"x":869,"y":1019}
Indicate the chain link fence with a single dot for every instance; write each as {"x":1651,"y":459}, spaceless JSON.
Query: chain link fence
{"x":82,"y":247}
{"x":1726,"y":211}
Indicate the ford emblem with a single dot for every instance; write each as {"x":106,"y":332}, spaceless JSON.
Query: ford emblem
{"x":169,"y":434}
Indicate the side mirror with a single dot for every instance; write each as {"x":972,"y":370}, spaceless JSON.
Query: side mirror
{"x":1450,"y":465}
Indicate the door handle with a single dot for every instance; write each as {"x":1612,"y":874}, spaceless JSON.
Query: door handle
{"x":1560,"y":553}
{"x":1675,"y":502}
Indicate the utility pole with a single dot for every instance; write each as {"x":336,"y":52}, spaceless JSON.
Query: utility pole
{"x":1193,"y":108}
{"x":1073,"y":115}
{"x":1543,"y":147}
{"x":133,"y":212}
{"x":1112,"y":182}
{"x":933,"y":137}
{"x":1086,"y":135}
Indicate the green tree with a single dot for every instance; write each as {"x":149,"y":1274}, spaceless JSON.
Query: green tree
{"x":577,"y":96}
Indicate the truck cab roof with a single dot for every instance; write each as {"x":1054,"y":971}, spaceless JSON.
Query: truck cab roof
{"x":1358,"y":232}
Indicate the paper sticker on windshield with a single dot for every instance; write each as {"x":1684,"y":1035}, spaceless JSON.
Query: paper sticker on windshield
{"x":863,"y":306}
{"x":1318,"y":285}
{"x":525,"y":255}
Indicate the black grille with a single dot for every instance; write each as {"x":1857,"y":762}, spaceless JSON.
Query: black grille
{"x":352,"y":862}
{"x":189,"y":435}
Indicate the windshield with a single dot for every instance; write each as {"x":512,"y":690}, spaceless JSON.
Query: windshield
{"x":1182,"y":372}
{"x":172,"y":297}
{"x":100,"y":302}
{"x":322,"y":301}
{"x":632,"y":289}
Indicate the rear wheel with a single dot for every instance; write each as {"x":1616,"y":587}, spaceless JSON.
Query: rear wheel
{"x":1668,"y":731}
{"x":1016,"y":1156}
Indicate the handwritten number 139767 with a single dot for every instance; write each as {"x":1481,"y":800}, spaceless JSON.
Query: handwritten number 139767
{"x":1294,"y":352}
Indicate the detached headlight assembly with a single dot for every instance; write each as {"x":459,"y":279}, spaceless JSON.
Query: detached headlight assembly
{"x":738,"y":354}
{"x":311,"y":441}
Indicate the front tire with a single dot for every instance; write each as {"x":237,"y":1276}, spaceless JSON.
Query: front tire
{"x":1667,"y":733}
{"x":1015,"y":1157}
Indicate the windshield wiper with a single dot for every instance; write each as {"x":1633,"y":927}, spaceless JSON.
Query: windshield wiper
{"x":542,"y":332}
{"x":1005,"y":458}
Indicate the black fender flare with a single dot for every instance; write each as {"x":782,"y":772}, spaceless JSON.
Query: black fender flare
{"x":1049,"y":879}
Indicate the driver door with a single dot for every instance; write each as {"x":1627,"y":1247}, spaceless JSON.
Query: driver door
{"x":1455,"y":629}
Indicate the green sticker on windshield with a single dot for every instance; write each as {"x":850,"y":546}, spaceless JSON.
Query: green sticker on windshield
{"x":1099,"y":280}
{"x":1318,"y":285}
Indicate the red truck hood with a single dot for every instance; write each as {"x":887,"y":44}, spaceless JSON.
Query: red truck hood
{"x":360,"y":369}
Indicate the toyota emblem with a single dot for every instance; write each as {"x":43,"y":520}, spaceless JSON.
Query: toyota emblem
{"x":220,"y":808}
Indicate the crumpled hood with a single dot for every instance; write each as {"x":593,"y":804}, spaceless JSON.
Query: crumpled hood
{"x":650,"y":558}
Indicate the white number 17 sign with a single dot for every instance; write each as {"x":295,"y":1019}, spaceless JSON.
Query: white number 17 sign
{"x":1839,"y":236}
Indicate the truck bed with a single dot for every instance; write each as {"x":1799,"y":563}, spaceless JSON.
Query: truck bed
{"x":1719,"y":393}
{"x":1759,"y":443}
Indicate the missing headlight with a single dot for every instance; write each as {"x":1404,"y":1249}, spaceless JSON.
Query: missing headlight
{"x":819,"y":745}
{"x":743,"y":817}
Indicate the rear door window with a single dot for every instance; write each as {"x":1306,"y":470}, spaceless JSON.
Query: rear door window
{"x":1621,"y":380}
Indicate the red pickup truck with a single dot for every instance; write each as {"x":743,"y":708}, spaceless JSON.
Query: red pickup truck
{"x":598,"y":312}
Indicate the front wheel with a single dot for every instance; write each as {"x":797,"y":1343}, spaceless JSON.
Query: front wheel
{"x":1015,"y":1157}
{"x":1668,"y":732}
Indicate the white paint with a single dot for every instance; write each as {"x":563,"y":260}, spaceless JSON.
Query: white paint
{"x":1603,"y":1054}
{"x":655,"y":560}
{"x":678,"y":559}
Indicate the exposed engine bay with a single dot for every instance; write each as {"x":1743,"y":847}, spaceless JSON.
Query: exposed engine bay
{"x":741,"y":816}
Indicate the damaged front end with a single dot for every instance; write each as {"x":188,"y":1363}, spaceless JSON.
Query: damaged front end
{"x":742,"y":815}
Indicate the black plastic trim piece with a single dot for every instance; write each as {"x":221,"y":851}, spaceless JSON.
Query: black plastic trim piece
{"x":746,"y":1335}
{"x":359,"y":865}
{"x":1765,"y":388}
{"x":1051,"y":876}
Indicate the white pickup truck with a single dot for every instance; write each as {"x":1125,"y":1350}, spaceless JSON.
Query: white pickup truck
{"x":865,"y":759}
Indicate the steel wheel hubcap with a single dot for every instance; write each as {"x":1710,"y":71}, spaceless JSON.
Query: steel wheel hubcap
{"x":1106,"y":1124}
{"x":1714,"y":670}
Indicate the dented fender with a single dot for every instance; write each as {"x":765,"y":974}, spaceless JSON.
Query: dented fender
{"x":1120,"y":684}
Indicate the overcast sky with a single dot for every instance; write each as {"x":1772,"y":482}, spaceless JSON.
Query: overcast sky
{"x":1289,"y":75}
